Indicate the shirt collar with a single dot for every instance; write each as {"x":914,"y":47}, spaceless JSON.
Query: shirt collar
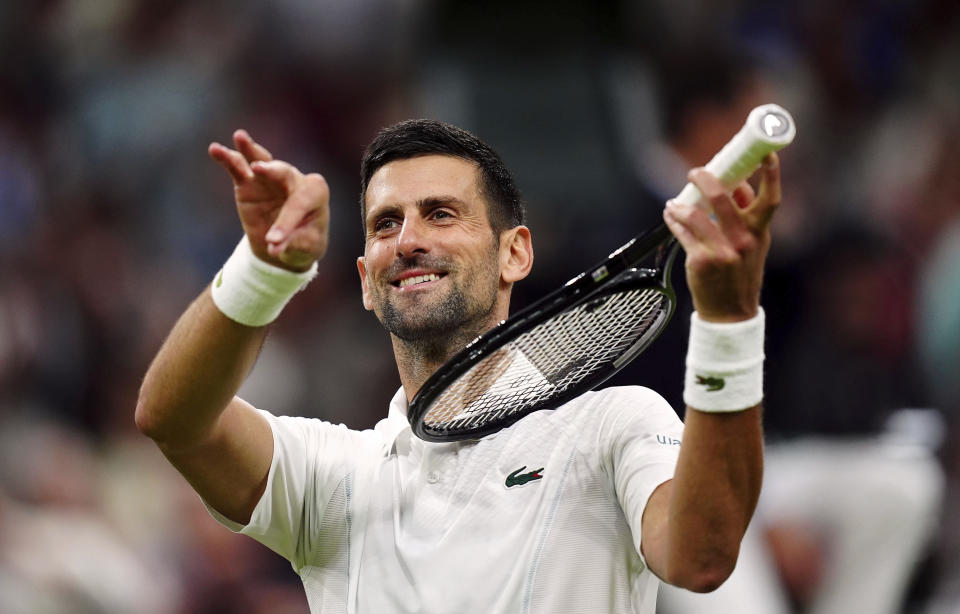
{"x":395,"y":428}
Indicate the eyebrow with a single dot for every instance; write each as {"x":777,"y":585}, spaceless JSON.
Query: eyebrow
{"x":422,"y":204}
{"x":434,"y":201}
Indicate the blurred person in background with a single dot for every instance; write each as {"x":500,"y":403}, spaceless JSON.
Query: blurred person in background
{"x":938,"y":324}
{"x":846,"y":512}
{"x":58,"y":553}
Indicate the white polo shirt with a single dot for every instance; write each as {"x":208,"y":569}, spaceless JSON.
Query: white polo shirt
{"x":541,"y":517}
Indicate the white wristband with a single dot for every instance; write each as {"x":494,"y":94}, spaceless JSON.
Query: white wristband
{"x":724,"y":364}
{"x":252,"y":292}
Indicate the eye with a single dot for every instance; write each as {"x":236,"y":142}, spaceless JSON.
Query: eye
{"x":385,"y":223}
{"x":439,"y":214}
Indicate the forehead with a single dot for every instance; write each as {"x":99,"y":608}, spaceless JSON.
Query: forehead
{"x":414,"y":179}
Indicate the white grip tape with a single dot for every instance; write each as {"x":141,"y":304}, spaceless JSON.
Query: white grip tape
{"x":724,"y":364}
{"x":252,"y":292}
{"x":768,"y":128}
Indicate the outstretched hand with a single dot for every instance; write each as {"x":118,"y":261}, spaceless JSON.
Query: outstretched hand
{"x":284,"y":213}
{"x":726,"y":255}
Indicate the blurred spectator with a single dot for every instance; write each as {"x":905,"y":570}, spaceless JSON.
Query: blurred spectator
{"x":938,"y":322}
{"x":842,"y":512}
{"x":57,"y":552}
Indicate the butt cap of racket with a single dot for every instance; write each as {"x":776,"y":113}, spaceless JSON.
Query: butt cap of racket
{"x":768,"y":128}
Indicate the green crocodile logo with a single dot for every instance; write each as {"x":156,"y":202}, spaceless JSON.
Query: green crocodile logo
{"x":519,"y":479}
{"x":712,"y":383}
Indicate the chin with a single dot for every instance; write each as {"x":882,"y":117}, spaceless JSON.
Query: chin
{"x":422,"y":331}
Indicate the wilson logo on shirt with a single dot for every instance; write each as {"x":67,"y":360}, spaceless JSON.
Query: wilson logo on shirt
{"x":519,"y":479}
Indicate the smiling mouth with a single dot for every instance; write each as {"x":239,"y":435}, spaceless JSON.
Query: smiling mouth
{"x":417,"y":279}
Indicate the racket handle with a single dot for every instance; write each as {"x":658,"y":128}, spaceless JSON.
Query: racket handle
{"x":768,"y":128}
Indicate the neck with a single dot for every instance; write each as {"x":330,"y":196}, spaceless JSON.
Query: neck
{"x":417,"y":360}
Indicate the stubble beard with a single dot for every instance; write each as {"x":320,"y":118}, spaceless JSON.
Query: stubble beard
{"x":436,"y":331}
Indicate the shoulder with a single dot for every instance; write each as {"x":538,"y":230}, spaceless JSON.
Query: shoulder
{"x":618,"y":395}
{"x":602,"y":420}
{"x":311,"y":425}
{"x":620,"y":404}
{"x":314,"y":435}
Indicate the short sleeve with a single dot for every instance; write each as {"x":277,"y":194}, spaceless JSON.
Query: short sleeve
{"x":311,"y":460}
{"x":640,"y":438}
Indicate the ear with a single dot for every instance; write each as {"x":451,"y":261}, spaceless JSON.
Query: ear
{"x":516,"y":254}
{"x":364,"y":284}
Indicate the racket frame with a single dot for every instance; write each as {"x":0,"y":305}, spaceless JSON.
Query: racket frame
{"x":617,"y":273}
{"x":735,"y":162}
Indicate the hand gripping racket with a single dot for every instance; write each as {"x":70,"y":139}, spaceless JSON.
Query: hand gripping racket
{"x":581,"y":334}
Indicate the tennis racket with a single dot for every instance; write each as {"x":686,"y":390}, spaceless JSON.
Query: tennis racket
{"x":578,"y":336}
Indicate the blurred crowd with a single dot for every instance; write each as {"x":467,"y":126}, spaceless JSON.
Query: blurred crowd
{"x":112,"y":218}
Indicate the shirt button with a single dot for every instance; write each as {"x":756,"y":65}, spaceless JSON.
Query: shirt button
{"x":433,"y":477}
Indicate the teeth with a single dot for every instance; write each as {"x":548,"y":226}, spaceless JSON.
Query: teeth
{"x":419,"y":279}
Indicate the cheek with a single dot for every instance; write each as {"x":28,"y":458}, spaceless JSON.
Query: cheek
{"x":374,"y":265}
{"x":377,"y":259}
{"x":485,"y":270}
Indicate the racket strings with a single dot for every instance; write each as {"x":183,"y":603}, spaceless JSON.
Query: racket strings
{"x":541,"y":364}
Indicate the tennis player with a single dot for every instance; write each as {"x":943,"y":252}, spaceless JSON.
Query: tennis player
{"x":585,"y":508}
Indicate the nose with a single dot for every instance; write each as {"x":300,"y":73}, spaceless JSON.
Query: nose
{"x":412,"y":238}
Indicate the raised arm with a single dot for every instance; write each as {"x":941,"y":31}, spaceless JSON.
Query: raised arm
{"x":693,"y":524}
{"x":220,"y":444}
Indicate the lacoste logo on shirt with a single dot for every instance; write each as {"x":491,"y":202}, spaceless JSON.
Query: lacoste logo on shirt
{"x":519,"y":479}
{"x":712,"y":383}
{"x":220,"y":278}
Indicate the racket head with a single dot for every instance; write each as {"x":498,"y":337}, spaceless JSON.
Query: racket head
{"x":572,"y":340}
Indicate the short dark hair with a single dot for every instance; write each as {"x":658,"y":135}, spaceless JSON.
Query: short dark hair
{"x":422,"y":137}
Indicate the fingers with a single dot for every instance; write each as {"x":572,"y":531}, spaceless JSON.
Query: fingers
{"x":725,"y":208}
{"x":250,"y":149}
{"x":744,"y":195}
{"x":305,"y":244}
{"x":694,"y":229}
{"x":237,"y":161}
{"x":761,"y":211}
{"x":306,"y":206}
{"x":671,"y":217}
{"x":711,"y":187}
{"x":770,"y":178}
{"x":231,"y":160}
{"x":278,"y":172}
{"x":743,"y":209}
{"x":284,"y":212}
{"x":716,"y":196}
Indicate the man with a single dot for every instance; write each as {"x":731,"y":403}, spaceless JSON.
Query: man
{"x":577,"y":509}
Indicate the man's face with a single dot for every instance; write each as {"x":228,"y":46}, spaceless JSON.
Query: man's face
{"x":431,"y":262}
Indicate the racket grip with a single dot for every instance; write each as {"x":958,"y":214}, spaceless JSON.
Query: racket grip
{"x":689,"y":195}
{"x":768,"y":128}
